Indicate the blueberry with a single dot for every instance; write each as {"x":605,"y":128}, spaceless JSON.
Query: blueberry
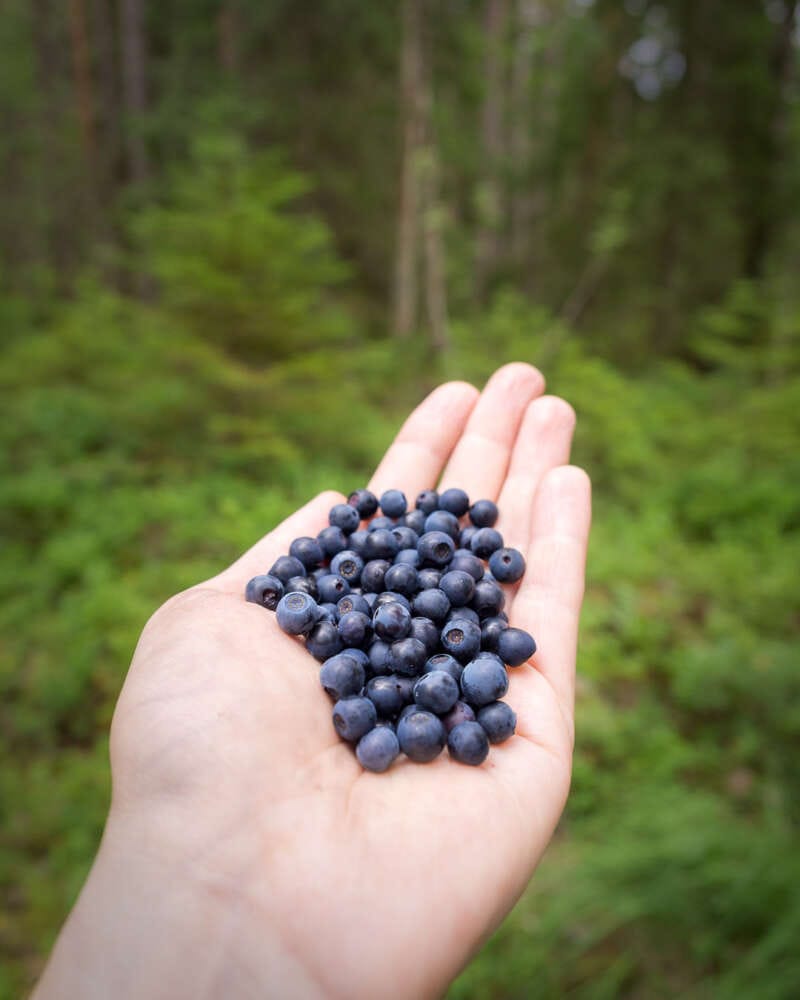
{"x":454,"y":501}
{"x":353,"y":602}
{"x":459,"y":587}
{"x":435,"y":548}
{"x":323,"y":641}
{"x":468,"y":613}
{"x":436,"y":691}
{"x":302,"y":585}
{"x":387,"y":695}
{"x":421,"y":736}
{"x":443,"y":520}
{"x":405,"y":685}
{"x":491,"y":629}
{"x":317,"y":574}
{"x":332,"y":587}
{"x":485,"y":541}
{"x":370,"y":598}
{"x":353,"y":717}
{"x":428,"y":578}
{"x":327,"y":612}
{"x":484,"y":513}
{"x":341,"y":676}
{"x":507,"y":565}
{"x":372,"y":575}
{"x":402,"y":579}
{"x":515,"y":646}
{"x":498,"y":720}
{"x":365,"y":503}
{"x":360,"y":656}
{"x":308,"y":551}
{"x":381,"y":523}
{"x":484,"y":680}
{"x":410,"y":557}
{"x":381,"y":544}
{"x":465,"y":536}
{"x":408,"y":656}
{"x":392,"y":621}
{"x":467,"y":562}
{"x":265,"y":590}
{"x":380,"y":657}
{"x":488,"y":599}
{"x":460,"y":712}
{"x":285,"y":567}
{"x":355,"y":628}
{"x":462,"y":638}
{"x":468,"y":743}
{"x":444,"y":661}
{"x":377,"y":749}
{"x":414,"y":519}
{"x":393,"y":503}
{"x":407,"y":710}
{"x":428,"y":501}
{"x":356,"y":541}
{"x":296,"y":613}
{"x":392,"y":597}
{"x":348,"y":564}
{"x":427,"y":633}
{"x":332,"y":540}
{"x":431,"y":604}
{"x":406,"y":538}
{"x":343,"y":516}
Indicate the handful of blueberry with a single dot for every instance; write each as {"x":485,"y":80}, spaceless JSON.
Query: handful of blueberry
{"x":407,"y":622}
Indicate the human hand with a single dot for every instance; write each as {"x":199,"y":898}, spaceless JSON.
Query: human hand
{"x":246,"y":852}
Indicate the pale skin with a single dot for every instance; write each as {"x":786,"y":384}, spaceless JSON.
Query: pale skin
{"x":246,"y":853}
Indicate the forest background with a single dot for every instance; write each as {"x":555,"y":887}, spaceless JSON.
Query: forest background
{"x":240,"y":238}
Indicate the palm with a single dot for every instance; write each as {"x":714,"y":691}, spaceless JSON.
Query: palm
{"x":231,"y":742}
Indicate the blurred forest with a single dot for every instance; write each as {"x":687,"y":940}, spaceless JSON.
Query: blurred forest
{"x":239,"y":239}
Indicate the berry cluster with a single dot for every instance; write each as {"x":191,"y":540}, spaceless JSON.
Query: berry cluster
{"x":407,"y":622}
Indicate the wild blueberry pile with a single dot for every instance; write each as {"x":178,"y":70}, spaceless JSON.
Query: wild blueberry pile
{"x":407,"y":622}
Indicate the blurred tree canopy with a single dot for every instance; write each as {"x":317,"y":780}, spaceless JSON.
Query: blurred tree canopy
{"x":239,"y":239}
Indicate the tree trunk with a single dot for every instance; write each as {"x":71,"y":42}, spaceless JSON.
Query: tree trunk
{"x":228,"y":36}
{"x":490,"y":201}
{"x":405,"y":279}
{"x":82,"y":76}
{"x":134,"y":85}
{"x":107,"y":103}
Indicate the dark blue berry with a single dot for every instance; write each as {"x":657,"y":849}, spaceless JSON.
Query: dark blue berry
{"x":392,"y":597}
{"x":406,"y":538}
{"x":387,"y":695}
{"x":459,"y":587}
{"x":435,"y":548}
{"x":484,"y":513}
{"x":381,"y":523}
{"x":436,"y":691}
{"x":488,"y":599}
{"x":353,"y":602}
{"x":343,"y":516}
{"x":515,"y":646}
{"x":296,"y":613}
{"x":491,"y":629}
{"x":372,"y":575}
{"x":428,"y":578}
{"x":341,"y":676}
{"x":302,"y":585}
{"x":408,"y":656}
{"x":323,"y":641}
{"x":308,"y":551}
{"x":377,"y":749}
{"x":392,"y":621}
{"x":428,"y":501}
{"x":443,"y":520}
{"x":332,"y":587}
{"x":348,"y":564}
{"x":469,"y":563}
{"x":356,"y":541}
{"x":332,"y":540}
{"x":460,"y":712}
{"x":265,"y":590}
{"x":393,"y":503}
{"x":354,"y":717}
{"x":355,"y":628}
{"x":381,"y":544}
{"x":431,"y":604}
{"x":414,"y":519}
{"x":485,"y":541}
{"x":468,"y":613}
{"x":446,"y":662}
{"x":360,"y":656}
{"x":421,"y":736}
{"x":410,"y":557}
{"x":317,"y":574}
{"x":327,"y":612}
{"x":380,"y":657}
{"x":484,"y":680}
{"x":465,"y":536}
{"x":402,"y":579}
{"x":462,"y":638}
{"x":365,"y":503}
{"x":371,"y":599}
{"x":498,"y":720}
{"x":426,"y":631}
{"x":454,"y":501}
{"x":507,"y":565}
{"x":285,"y":567}
{"x":468,"y":743}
